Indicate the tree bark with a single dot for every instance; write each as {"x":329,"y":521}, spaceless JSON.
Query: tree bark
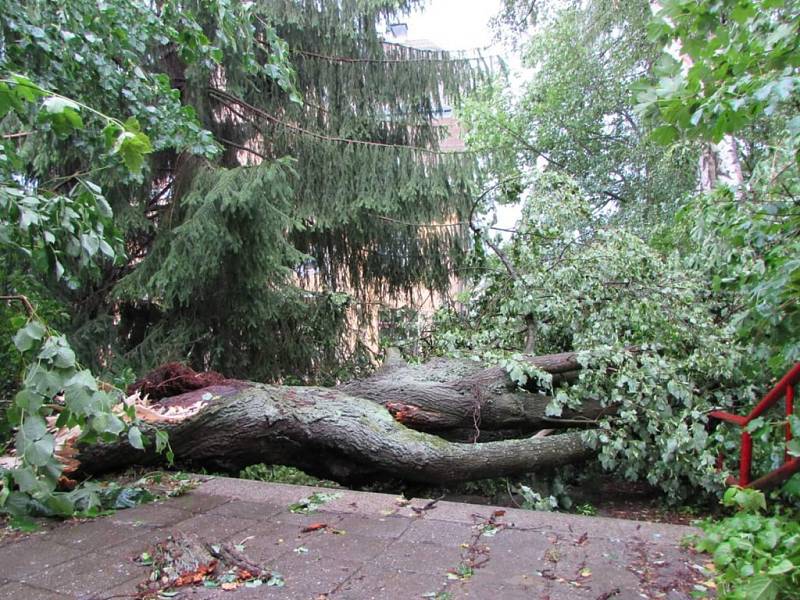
{"x":463,"y":400}
{"x":328,"y":433}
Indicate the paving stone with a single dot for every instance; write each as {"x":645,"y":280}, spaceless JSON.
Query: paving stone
{"x":197,"y":502}
{"x":308,"y":576}
{"x":34,"y":556}
{"x":377,"y":583}
{"x":87,"y":575}
{"x":265,"y":542}
{"x":473,"y":590}
{"x":214,"y":528}
{"x":365,"y":503}
{"x":21,"y":591}
{"x":454,"y":512}
{"x":150,"y":516}
{"x":93,"y":534}
{"x":353,"y":546}
{"x":255,"y":491}
{"x":443,"y":533}
{"x":242,"y":509}
{"x":128,"y":589}
{"x":392,"y":556}
{"x":382,"y":527}
{"x":513,"y":554}
{"x":419,"y":557}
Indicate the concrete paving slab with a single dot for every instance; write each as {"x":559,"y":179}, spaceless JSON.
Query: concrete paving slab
{"x":150,"y":516}
{"x":20,"y":591}
{"x":214,"y":528}
{"x":93,"y":534}
{"x":376,"y":583}
{"x":384,"y":550}
{"x":381,"y":527}
{"x":420,"y":558}
{"x":86,"y":575}
{"x":442,"y":533}
{"x":34,"y":556}
{"x":198,"y":502}
{"x":242,"y":509}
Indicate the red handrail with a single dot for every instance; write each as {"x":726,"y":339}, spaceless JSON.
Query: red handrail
{"x":784,"y":388}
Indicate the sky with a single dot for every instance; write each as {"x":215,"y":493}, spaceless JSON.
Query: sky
{"x":454,"y":24}
{"x":463,"y":25}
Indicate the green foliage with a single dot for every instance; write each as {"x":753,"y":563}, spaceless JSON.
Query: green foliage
{"x":312,"y":503}
{"x":738,"y":79}
{"x":740,"y":61}
{"x":604,"y":291}
{"x":227,"y":92}
{"x":576,"y":113}
{"x":282,"y":474}
{"x":44,"y":230}
{"x":672,"y":317}
{"x":755,"y":556}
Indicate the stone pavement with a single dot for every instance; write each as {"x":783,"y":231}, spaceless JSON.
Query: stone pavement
{"x":373,"y":548}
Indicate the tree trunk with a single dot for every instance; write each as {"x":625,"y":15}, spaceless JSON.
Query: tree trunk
{"x":328,"y":433}
{"x":463,"y":400}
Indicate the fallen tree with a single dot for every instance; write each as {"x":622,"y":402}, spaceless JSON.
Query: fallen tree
{"x":392,"y":424}
{"x":327,"y":433}
{"x":463,"y":400}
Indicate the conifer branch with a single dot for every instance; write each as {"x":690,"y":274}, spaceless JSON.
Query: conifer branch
{"x":226,"y":97}
{"x":244,"y":148}
{"x":383,"y":61}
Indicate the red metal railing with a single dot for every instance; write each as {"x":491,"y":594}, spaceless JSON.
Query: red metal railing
{"x":784,"y":388}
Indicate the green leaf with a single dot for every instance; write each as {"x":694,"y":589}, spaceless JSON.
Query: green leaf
{"x":24,"y":524}
{"x":760,"y":587}
{"x":60,"y":504}
{"x":33,"y":429}
{"x":135,"y":438}
{"x":56,"y":105}
{"x":25,"y":337}
{"x":62,"y":113}
{"x":783,"y":567}
{"x":723,"y":555}
{"x":793,"y":447}
{"x":28,"y":400}
{"x":82,"y":379}
{"x":40,"y":452}
{"x":664,"y":135}
{"x":65,"y":358}
{"x":26,"y":479}
{"x":132,"y":145}
{"x":26,"y":89}
{"x":792,"y":486}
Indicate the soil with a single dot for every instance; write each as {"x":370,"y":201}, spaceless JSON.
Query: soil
{"x":605,"y":496}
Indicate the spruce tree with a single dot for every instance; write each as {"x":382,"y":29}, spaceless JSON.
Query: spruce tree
{"x":323,"y":157}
